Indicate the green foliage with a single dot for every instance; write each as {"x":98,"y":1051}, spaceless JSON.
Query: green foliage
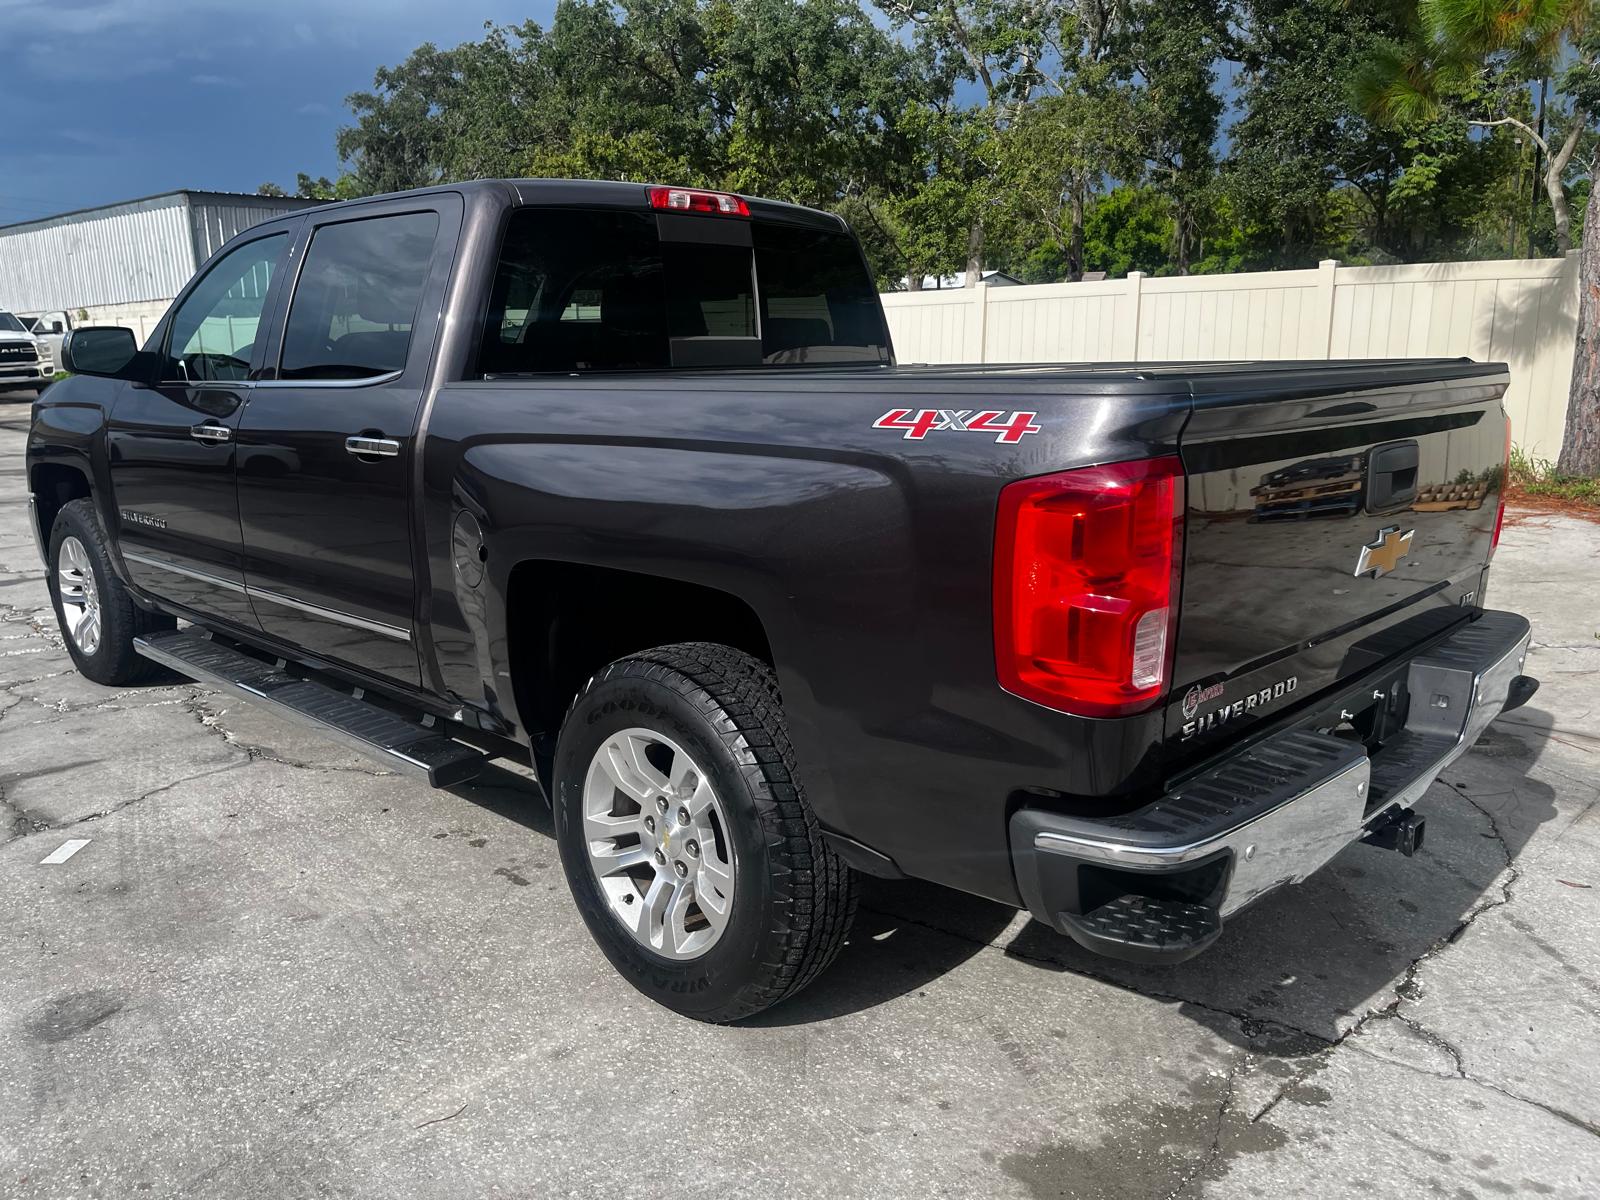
{"x":1128,"y":229}
{"x":1041,"y":137}
{"x":1539,"y":477}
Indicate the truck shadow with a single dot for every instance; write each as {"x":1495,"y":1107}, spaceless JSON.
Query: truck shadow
{"x":1288,"y":976}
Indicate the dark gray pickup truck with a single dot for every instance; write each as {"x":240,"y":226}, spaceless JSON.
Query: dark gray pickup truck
{"x":626,"y":480}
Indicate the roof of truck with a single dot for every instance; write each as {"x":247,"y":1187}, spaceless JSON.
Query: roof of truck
{"x":591,"y":193}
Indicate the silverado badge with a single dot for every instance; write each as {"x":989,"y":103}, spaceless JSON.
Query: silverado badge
{"x":1382,"y":556}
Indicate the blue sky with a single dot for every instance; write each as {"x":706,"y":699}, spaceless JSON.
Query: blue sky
{"x":104,"y":100}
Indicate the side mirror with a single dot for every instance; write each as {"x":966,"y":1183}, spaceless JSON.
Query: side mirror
{"x":98,"y":350}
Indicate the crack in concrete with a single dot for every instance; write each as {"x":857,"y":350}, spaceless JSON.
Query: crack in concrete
{"x":1406,"y":989}
{"x":1251,"y":1024}
{"x":1214,"y":1151}
{"x":21,"y":823}
{"x":40,"y":826}
{"x":1461,"y":1073}
{"x":210,"y":719}
{"x":11,"y":614}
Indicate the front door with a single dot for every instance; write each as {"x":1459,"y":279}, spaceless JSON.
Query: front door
{"x":325,"y":447}
{"x":171,"y":443}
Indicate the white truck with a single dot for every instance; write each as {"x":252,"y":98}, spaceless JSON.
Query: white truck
{"x":50,"y":330}
{"x":25,"y":360}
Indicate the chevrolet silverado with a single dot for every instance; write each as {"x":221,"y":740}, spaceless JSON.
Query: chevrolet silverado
{"x":626,"y":480}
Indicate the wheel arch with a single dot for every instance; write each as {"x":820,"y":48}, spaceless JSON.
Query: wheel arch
{"x":55,"y":485}
{"x":574,"y":618}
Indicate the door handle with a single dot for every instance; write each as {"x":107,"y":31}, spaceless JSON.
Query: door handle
{"x":372,"y":447}
{"x":208,"y":432}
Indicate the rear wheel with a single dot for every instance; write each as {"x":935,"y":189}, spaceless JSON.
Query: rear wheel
{"x":686,"y":837}
{"x":97,"y":615}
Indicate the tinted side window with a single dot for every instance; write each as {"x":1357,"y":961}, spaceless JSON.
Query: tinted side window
{"x":577,"y":291}
{"x":357,"y":297}
{"x":213,"y":333}
{"x":817,"y":300}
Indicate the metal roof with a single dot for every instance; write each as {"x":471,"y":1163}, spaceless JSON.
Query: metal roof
{"x":137,"y":250}
{"x":281,"y":203}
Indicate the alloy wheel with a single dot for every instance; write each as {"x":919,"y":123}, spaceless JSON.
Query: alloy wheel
{"x":658,"y":843}
{"x":80,"y":597}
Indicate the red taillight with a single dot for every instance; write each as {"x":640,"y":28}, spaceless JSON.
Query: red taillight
{"x":1505,"y":480}
{"x":691,"y":200}
{"x":1086,"y":568}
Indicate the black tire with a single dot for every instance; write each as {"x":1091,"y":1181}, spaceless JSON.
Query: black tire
{"x":114,"y":661}
{"x":794,"y":898}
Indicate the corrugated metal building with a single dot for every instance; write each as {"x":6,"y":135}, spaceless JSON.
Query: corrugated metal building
{"x":123,"y":263}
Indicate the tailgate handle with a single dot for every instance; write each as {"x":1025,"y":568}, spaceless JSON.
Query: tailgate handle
{"x":1391,"y":475}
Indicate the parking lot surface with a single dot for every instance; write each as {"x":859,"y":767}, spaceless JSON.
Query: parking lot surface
{"x":275,"y":970}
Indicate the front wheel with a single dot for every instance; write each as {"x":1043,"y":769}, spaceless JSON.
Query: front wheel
{"x":686,"y":837}
{"x":98,"y":618}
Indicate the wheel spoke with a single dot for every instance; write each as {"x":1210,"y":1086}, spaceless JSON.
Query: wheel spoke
{"x":618,"y":860}
{"x":715,"y":882}
{"x":599,"y":827}
{"x":641,"y":765}
{"x":677,"y":919}
{"x":616,"y":768}
{"x":699,"y":803}
{"x":624,"y":761}
{"x":653,"y":911}
{"x":685,"y":776}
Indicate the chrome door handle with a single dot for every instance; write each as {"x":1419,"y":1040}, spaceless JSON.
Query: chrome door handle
{"x":372,"y":447}
{"x":210,"y":433}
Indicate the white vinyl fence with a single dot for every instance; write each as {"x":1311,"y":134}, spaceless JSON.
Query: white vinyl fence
{"x":1522,"y":312}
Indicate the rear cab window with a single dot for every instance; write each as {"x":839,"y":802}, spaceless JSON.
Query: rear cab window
{"x":581,"y":290}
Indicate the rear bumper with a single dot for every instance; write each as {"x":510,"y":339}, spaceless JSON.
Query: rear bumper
{"x":1155,"y":885}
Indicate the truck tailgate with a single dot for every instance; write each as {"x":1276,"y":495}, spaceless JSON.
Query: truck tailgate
{"x":1337,"y":515}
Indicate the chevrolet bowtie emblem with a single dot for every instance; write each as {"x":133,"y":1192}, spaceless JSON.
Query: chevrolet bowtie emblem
{"x":1382,"y":556}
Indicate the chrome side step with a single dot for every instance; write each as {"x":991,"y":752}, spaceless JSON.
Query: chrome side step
{"x":392,"y":740}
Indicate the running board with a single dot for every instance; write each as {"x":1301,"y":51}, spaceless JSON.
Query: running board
{"x":392,"y":740}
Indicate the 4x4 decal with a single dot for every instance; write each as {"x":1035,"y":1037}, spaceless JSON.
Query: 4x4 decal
{"x":1007,"y":427}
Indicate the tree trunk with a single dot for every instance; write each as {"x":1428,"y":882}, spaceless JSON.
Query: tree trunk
{"x":1075,"y":248}
{"x":1580,"y":443}
{"x":1533,"y":198}
{"x":1180,"y":248}
{"x":1558,"y":193}
{"x":974,"y":255}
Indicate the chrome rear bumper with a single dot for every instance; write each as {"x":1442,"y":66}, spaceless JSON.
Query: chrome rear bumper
{"x":1155,"y":884}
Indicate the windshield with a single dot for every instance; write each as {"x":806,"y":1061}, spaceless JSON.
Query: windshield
{"x":9,"y":324}
{"x":598,"y":290}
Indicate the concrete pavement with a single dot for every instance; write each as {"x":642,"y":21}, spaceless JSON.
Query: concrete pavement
{"x":277,"y":971}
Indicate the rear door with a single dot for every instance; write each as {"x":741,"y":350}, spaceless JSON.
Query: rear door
{"x":171,"y":444}
{"x":326,"y":446}
{"x":1329,"y":527}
